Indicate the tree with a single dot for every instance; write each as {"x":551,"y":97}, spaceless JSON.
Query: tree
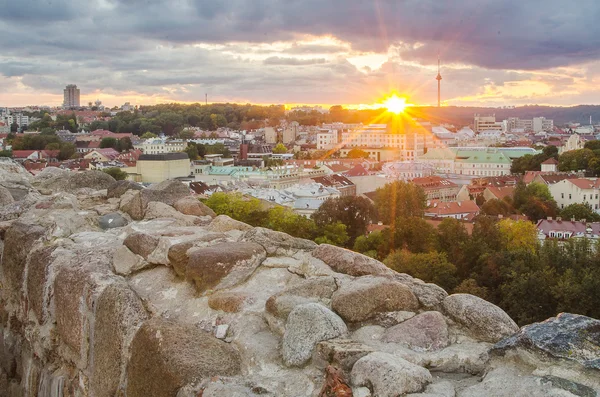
{"x":5,"y":153}
{"x":108,"y":143}
{"x":592,"y":145}
{"x":116,"y":173}
{"x":353,"y":211}
{"x":67,"y":151}
{"x":495,"y":207}
{"x":535,"y":201}
{"x":192,"y":152}
{"x":334,"y":234}
{"x":518,"y":235}
{"x":357,"y":154}
{"x":470,"y":286}
{"x":371,"y":245}
{"x":279,"y":149}
{"x":452,"y":238}
{"x":432,"y":267}
{"x":414,"y":234}
{"x":14,"y":127}
{"x":148,"y":135}
{"x":238,"y":207}
{"x":186,"y":134}
{"x":580,"y":211}
{"x":575,"y":160}
{"x":399,"y":200}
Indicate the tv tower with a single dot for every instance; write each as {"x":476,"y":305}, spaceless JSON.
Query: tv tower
{"x":439,"y":80}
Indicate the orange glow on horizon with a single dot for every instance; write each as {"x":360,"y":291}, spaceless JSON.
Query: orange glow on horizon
{"x":395,"y":104}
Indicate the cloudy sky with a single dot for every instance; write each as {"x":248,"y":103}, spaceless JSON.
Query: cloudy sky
{"x":494,"y":52}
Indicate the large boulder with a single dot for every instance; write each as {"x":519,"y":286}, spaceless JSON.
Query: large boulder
{"x":112,"y":220}
{"x":223,"y":265}
{"x":349,"y":262}
{"x":388,"y":375}
{"x":341,"y":353}
{"x":14,"y":178}
{"x":223,"y":224}
{"x":119,"y":312}
{"x":155,"y":209}
{"x":118,"y":188}
{"x":38,"y":266}
{"x":168,"y":192}
{"x":566,"y":336}
{"x":486,"y":321}
{"x":19,"y":239}
{"x":131,"y":204}
{"x":5,"y":197}
{"x":97,"y":180}
{"x":307,"y":325}
{"x":278,"y":243}
{"x":141,"y":244}
{"x":192,"y":206}
{"x":425,"y":331}
{"x":316,"y":289}
{"x":166,"y":356}
{"x":366,"y":296}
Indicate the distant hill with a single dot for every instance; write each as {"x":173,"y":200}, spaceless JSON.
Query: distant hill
{"x":461,"y":116}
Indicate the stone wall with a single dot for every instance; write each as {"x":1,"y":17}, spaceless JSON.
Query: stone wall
{"x":109,"y":290}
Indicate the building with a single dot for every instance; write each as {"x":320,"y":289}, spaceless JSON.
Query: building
{"x":159,"y":146}
{"x":270,"y":136}
{"x":407,"y":170}
{"x":153,"y":168}
{"x":339,"y":182}
{"x":577,"y":191}
{"x":550,"y":165}
{"x":291,"y":133}
{"x":487,"y":123}
{"x":437,"y":188}
{"x":453,"y":209}
{"x":535,"y":125}
{"x":563,"y":230}
{"x":71,"y":97}
{"x":102,"y":155}
{"x":498,"y":192}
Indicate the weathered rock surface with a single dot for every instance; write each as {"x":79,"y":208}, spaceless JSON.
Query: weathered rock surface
{"x":389,"y":376}
{"x":485,"y":320}
{"x":425,"y":331}
{"x":366,"y":296}
{"x":118,"y":188}
{"x":306,"y":326}
{"x":184,"y":304}
{"x":223,"y":265}
{"x":567,"y":336}
{"x":5,"y":196}
{"x":166,"y":356}
{"x":345,"y":261}
{"x":193,"y":206}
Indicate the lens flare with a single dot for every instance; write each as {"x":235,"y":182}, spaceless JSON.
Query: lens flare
{"x":395,"y":104}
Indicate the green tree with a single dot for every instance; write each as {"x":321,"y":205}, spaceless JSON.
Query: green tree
{"x":357,"y":154}
{"x":192,"y":152}
{"x":14,"y":127}
{"x":148,"y":135}
{"x":580,"y":211}
{"x":414,"y":234}
{"x":5,"y":153}
{"x":334,"y":234}
{"x":470,"y":286}
{"x":186,"y":134}
{"x":431,"y":267}
{"x":495,"y":207}
{"x":67,"y":151}
{"x":399,"y":200}
{"x":518,"y":235}
{"x":535,"y":201}
{"x":575,"y":160}
{"x":109,"y":143}
{"x":245,"y":209}
{"x":279,"y":149}
{"x":116,"y":173}
{"x":452,"y":239}
{"x":592,"y":145}
{"x":371,"y":245}
{"x":355,"y":212}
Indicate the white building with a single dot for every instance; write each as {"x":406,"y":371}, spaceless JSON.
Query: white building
{"x":407,"y":170}
{"x":159,"y":146}
{"x":537,"y":124}
{"x":577,"y":191}
{"x":487,"y":123}
{"x":270,"y":135}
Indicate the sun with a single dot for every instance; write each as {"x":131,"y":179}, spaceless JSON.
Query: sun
{"x":395,"y":104}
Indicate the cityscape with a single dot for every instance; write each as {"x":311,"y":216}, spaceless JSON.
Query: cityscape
{"x":335,"y":199}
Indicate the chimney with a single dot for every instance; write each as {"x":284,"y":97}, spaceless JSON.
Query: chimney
{"x":549,"y":218}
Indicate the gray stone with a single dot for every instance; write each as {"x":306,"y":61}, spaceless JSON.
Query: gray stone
{"x":389,"y":376}
{"x":167,"y":192}
{"x":192,"y":206}
{"x":349,"y":262}
{"x":484,"y":320}
{"x":112,"y":220}
{"x":119,"y":312}
{"x":366,"y":296}
{"x":572,"y":387}
{"x":230,"y":302}
{"x":118,"y":188}
{"x":424,"y":332}
{"x":566,"y":336}
{"x":19,"y":239}
{"x":126,"y":262}
{"x":278,"y":243}
{"x":94,"y":179}
{"x":469,"y":357}
{"x":155,"y":209}
{"x":316,"y":289}
{"x":14,"y":178}
{"x":306,"y":326}
{"x":389,"y":319}
{"x":166,"y":356}
{"x":223,"y":224}
{"x":223,"y":265}
{"x":341,"y":353}
{"x":141,"y":244}
{"x":37,"y":278}
{"x":131,"y":204}
{"x":5,"y":197}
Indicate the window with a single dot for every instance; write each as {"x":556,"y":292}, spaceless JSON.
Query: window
{"x":584,"y":197}
{"x":569,"y":196}
{"x":562,"y":195}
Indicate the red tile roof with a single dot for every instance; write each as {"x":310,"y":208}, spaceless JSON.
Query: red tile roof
{"x":584,"y":183}
{"x":23,"y":154}
{"x":551,"y":160}
{"x":357,"y":170}
{"x":440,"y":208}
{"x":433,"y":182}
{"x":502,"y":192}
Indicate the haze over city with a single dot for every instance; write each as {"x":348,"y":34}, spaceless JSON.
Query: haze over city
{"x":310,"y":52}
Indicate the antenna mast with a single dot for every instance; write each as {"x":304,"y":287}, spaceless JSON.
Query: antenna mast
{"x":439,"y":80}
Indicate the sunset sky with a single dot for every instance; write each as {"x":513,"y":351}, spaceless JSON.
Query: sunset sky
{"x":350,"y":52}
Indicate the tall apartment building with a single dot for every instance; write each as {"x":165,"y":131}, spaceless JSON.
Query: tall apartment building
{"x":71,"y":97}
{"x":9,"y":118}
{"x":487,"y":123}
{"x":537,"y":124}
